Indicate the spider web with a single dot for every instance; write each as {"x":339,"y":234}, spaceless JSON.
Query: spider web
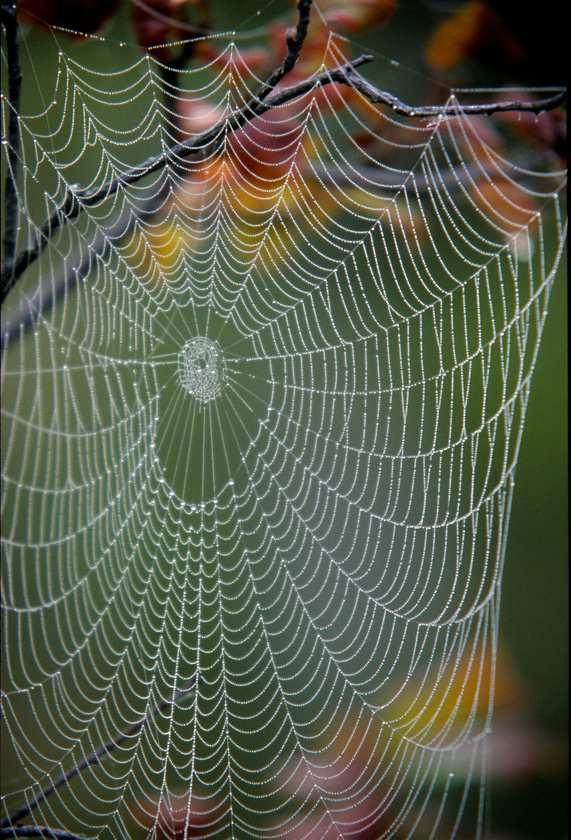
{"x":264,"y":438}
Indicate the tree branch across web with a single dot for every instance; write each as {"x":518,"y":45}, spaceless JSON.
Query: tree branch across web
{"x":211,"y":140}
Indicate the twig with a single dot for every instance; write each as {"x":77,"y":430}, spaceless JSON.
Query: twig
{"x":294,"y":41}
{"x":373,"y":94}
{"x":93,"y":758}
{"x":38,"y":831}
{"x":10,"y":23}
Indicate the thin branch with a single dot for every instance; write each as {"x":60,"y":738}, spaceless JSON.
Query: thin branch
{"x":38,"y":831}
{"x":94,"y":758}
{"x":373,"y":94}
{"x":10,"y":23}
{"x":294,"y":41}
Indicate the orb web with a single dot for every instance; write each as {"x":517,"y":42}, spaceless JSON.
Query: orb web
{"x":265,"y":439}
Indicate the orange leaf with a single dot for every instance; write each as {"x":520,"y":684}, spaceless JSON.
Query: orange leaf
{"x":456,"y":36}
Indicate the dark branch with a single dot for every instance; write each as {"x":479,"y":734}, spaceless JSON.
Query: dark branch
{"x":294,"y":41}
{"x":93,"y":758}
{"x":10,"y":24}
{"x":38,"y":831}
{"x":373,"y":94}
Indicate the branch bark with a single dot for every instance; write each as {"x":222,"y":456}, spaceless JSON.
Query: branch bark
{"x":294,"y":41}
{"x":93,"y":758}
{"x":10,"y":24}
{"x":374,"y":94}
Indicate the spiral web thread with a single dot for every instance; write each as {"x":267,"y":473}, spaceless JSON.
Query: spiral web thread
{"x":266,"y":440}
